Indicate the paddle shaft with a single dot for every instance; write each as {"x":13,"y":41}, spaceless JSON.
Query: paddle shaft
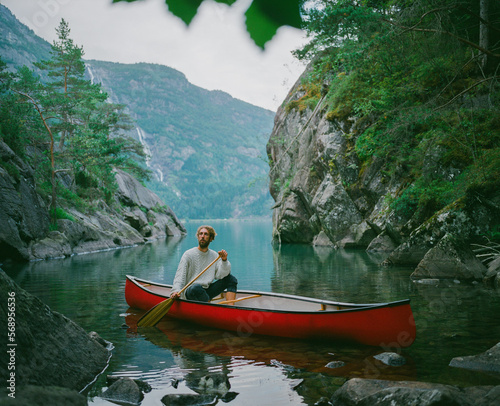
{"x":156,"y":313}
{"x":197,"y":276}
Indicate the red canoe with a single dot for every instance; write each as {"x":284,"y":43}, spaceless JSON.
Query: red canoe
{"x":379,"y":324}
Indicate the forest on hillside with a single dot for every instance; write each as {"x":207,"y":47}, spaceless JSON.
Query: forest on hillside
{"x":417,"y":75}
{"x":206,"y":149}
{"x":66,"y":129}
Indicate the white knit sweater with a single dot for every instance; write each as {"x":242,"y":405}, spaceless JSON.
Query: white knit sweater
{"x":194,"y":261}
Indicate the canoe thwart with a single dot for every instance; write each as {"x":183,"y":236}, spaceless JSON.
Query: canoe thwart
{"x":239,"y":300}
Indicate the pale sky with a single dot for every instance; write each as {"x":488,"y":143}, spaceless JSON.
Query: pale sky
{"x":214,"y":52}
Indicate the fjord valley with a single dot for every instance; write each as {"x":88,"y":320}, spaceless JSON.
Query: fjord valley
{"x":207,"y":149}
{"x":376,"y":182}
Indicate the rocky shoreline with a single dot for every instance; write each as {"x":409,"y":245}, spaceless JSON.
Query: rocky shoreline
{"x":49,"y":358}
{"x":138,"y":216}
{"x":56,"y":360}
{"x":210,"y":388}
{"x":327,"y":196}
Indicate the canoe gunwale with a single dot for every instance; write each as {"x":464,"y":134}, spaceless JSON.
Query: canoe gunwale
{"x":352,"y":307}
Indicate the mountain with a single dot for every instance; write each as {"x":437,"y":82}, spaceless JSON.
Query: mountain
{"x":18,"y":44}
{"x":207,"y":149}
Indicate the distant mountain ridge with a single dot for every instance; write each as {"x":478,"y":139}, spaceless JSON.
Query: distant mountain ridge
{"x":207,"y":149}
{"x":19,"y":45}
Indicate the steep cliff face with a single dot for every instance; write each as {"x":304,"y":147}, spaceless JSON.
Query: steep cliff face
{"x":18,"y":44}
{"x":322,"y":195}
{"x":325,"y":195}
{"x":25,"y":233}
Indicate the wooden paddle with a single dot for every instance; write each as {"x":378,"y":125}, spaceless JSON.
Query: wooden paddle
{"x":156,"y":313}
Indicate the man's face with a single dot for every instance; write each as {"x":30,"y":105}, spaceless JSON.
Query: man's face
{"x":203,"y":238}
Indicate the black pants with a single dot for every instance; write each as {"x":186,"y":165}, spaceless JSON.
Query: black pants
{"x":200,"y":294}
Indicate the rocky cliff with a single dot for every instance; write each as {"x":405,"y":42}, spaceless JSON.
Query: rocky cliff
{"x":325,"y":195}
{"x":43,"y":347}
{"x":137,"y":216}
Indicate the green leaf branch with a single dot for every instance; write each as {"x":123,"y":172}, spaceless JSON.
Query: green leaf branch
{"x":263,"y":17}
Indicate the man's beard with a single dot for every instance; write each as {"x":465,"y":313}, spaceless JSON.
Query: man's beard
{"x":203,"y":244}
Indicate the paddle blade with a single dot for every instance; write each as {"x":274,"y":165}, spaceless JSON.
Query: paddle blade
{"x":155,"y":314}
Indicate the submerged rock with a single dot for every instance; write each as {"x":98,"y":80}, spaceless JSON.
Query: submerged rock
{"x":391,"y":359}
{"x":189,"y":400}
{"x":488,"y":361}
{"x":124,"y":390}
{"x":143,"y":386}
{"x":335,"y":364}
{"x":373,"y":392}
{"x":214,"y":383}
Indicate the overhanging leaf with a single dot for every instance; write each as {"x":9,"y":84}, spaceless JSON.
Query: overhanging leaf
{"x":187,"y":9}
{"x":264,"y":17}
{"x":184,"y":9}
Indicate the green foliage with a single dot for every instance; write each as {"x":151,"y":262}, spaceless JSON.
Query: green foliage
{"x":411,"y":74}
{"x":61,"y":214}
{"x":423,"y":197}
{"x":62,"y":107}
{"x":263,"y":17}
{"x":309,"y":100}
{"x":11,"y":170}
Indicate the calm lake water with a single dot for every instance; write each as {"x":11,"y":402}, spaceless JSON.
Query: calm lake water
{"x":453,"y":319}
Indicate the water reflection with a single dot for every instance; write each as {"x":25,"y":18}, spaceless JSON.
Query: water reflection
{"x":452,"y":319}
{"x":311,"y":356}
{"x":326,"y":273}
{"x":290,"y":368}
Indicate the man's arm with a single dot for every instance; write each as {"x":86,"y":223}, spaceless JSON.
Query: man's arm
{"x":223,"y":268}
{"x":180,"y":277}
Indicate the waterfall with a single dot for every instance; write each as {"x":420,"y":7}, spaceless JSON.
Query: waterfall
{"x":142,"y":139}
{"x":94,"y":79}
{"x":158,"y":173}
{"x":91,"y":73}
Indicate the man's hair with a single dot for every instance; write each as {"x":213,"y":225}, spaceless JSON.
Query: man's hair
{"x":210,"y":230}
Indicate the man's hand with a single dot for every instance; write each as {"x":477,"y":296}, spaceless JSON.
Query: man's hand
{"x":174,"y":295}
{"x":223,"y":255}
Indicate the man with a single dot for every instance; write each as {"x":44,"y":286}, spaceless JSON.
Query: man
{"x":214,"y":280}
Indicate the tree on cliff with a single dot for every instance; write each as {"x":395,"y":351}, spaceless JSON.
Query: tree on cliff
{"x":422,"y":77}
{"x":85,"y":144}
{"x":67,"y":84}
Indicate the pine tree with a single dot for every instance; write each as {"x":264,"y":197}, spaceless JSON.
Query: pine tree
{"x":83,"y":129}
{"x":66,"y":73}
